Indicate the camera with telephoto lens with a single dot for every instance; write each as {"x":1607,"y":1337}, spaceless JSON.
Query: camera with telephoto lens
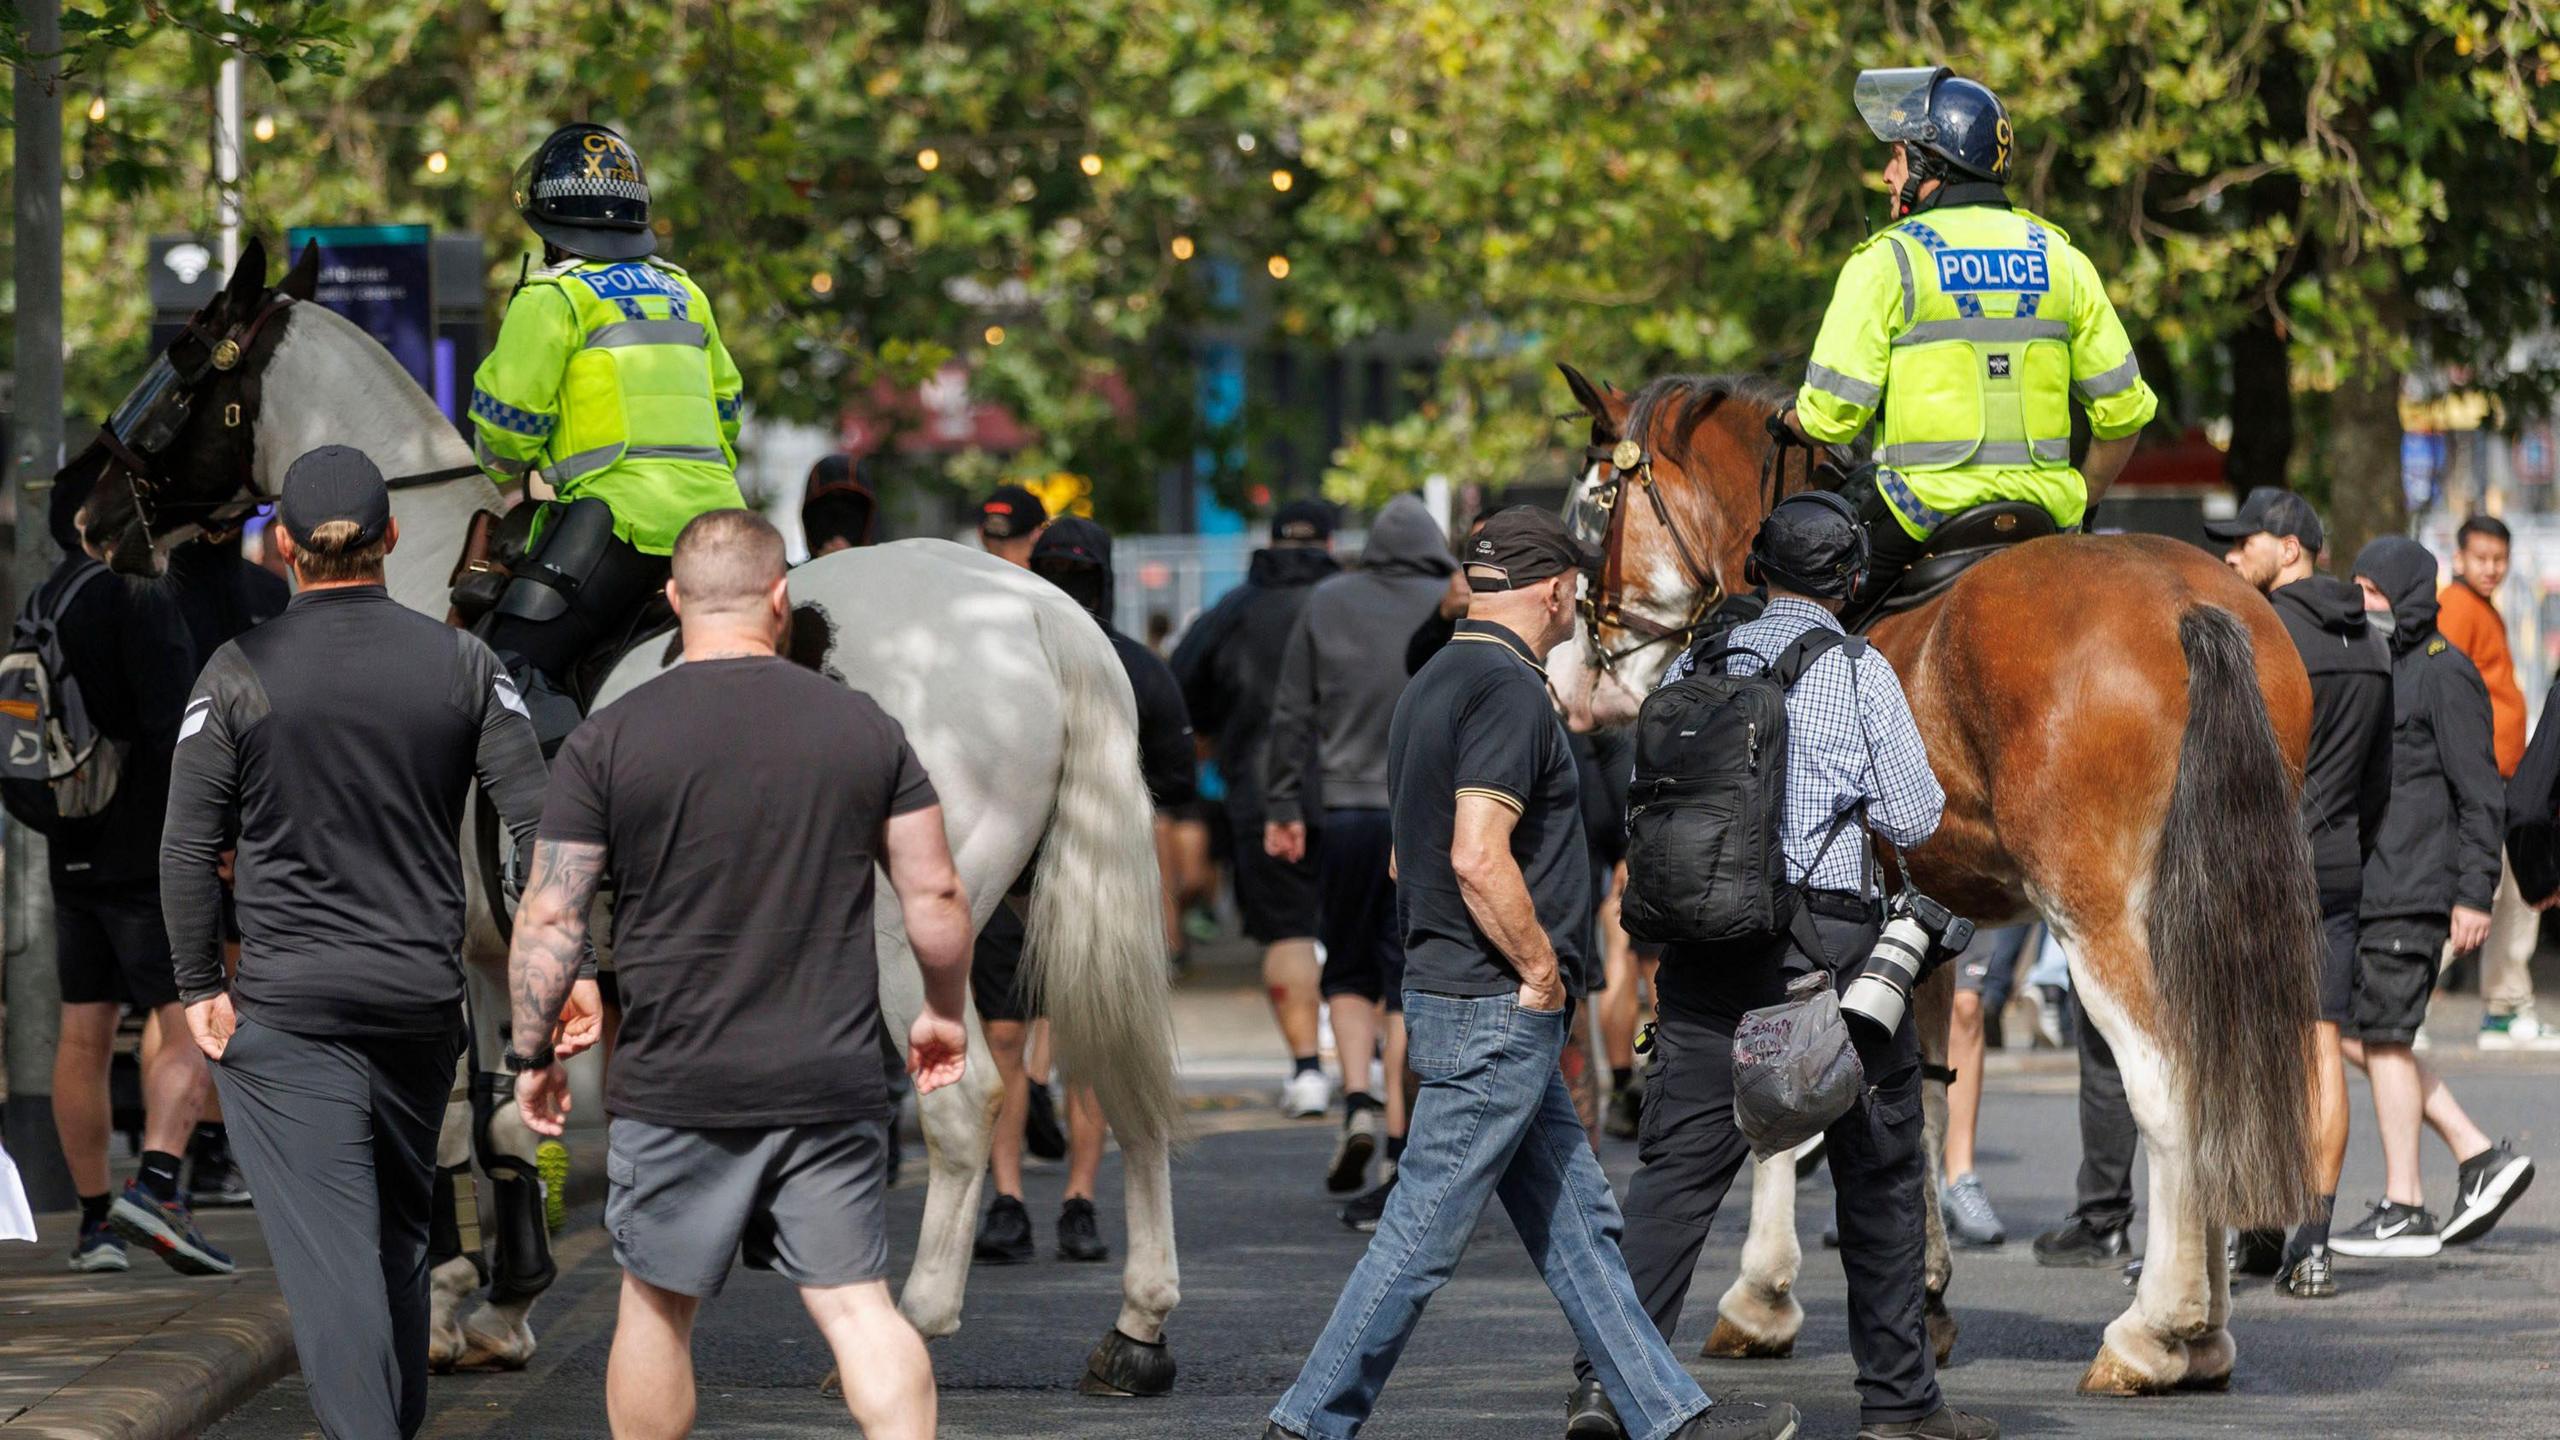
{"x":1919,"y":935}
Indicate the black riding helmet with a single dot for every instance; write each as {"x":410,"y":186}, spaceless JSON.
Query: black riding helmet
{"x":1954,"y":126}
{"x":583,"y":190}
{"x":1812,"y":544}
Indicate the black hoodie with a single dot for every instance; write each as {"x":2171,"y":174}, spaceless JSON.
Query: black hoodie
{"x":2346,"y":778}
{"x":2439,"y":843}
{"x":1229,"y":662}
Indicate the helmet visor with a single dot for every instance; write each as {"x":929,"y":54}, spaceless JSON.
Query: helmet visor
{"x":1895,"y":103}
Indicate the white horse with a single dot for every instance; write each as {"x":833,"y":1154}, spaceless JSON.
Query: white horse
{"x":1012,"y":698}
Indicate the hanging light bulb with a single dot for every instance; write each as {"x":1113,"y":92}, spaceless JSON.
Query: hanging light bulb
{"x":97,"y":108}
{"x":1278,"y":265}
{"x":1281,"y":180}
{"x":437,"y":161}
{"x":928,"y":159}
{"x":265,"y":129}
{"x":995,"y":335}
{"x":822,"y":282}
{"x":1090,"y":163}
{"x":1182,"y":247}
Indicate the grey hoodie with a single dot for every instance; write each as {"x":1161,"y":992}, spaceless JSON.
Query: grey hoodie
{"x":1344,"y":666}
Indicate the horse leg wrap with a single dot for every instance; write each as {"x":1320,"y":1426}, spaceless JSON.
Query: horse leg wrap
{"x":453,"y":1221}
{"x":1122,"y":1368}
{"x":523,"y":1262}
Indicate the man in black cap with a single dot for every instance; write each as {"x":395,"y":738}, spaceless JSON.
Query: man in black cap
{"x":1493,"y":883}
{"x":1009,"y":523}
{"x":838,"y":510}
{"x":338,"y":743}
{"x":1075,"y":555}
{"x":1229,"y":664}
{"x":1855,"y":764}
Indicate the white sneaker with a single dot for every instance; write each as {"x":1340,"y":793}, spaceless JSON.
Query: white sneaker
{"x":1307,"y":1096}
{"x":2527,"y":1032}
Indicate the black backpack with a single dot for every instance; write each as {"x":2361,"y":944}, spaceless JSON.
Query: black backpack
{"x":54,"y":765}
{"x":1704,"y":862}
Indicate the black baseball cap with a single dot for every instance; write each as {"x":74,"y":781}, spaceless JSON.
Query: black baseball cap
{"x":2272,"y":510}
{"x":1011,"y":513}
{"x":1303,"y":521}
{"x":1520,"y":546}
{"x":334,"y":482}
{"x":1813,"y":544}
{"x":1073,"y":540}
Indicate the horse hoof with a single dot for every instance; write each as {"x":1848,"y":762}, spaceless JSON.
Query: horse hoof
{"x":1732,"y":1342}
{"x":2112,"y":1374}
{"x":509,"y":1349}
{"x":1122,"y":1368}
{"x":2209,"y":1362}
{"x":833,"y":1386}
{"x":1942,"y":1330}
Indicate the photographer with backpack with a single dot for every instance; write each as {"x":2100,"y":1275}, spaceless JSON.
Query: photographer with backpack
{"x":1782,"y":735}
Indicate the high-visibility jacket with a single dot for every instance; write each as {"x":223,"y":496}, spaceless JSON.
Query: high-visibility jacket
{"x":611,"y":379}
{"x":1973,"y":328}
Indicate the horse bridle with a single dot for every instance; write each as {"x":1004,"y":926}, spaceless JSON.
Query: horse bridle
{"x":138,"y":435}
{"x":1604,"y":603}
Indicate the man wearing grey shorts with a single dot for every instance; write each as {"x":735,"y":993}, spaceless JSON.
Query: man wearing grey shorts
{"x":740,"y":804}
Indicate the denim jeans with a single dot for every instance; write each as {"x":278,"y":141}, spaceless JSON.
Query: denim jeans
{"x":1493,"y":1119}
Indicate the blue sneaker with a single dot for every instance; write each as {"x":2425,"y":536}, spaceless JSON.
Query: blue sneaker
{"x":167,"y":1230}
{"x":99,"y":1250}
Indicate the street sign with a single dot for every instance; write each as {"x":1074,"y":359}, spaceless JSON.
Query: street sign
{"x":382,"y":278}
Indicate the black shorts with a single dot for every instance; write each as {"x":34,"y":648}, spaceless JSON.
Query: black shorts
{"x":2396,"y":964}
{"x":2338,"y":930}
{"x":1363,"y":939}
{"x":1278,"y":898}
{"x":112,"y":949}
{"x":995,"y":969}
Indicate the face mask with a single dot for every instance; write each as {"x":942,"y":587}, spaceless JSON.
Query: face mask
{"x":2380,"y":621}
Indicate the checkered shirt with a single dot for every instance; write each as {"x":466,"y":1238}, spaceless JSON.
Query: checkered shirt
{"x":1850,"y":741}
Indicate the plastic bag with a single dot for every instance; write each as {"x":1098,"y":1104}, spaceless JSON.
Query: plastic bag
{"x":1794,"y":1070}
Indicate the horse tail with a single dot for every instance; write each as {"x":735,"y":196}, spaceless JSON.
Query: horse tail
{"x":2234,"y":928}
{"x":1094,"y":956}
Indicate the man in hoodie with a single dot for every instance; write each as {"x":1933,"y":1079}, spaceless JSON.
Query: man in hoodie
{"x":1228,"y":664}
{"x":2433,"y":875}
{"x":1339,"y":681}
{"x":1073,"y":554}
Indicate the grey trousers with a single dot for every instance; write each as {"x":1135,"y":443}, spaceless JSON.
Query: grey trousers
{"x":338,"y":1137}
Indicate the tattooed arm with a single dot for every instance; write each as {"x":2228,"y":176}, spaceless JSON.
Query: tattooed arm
{"x":551,"y":933}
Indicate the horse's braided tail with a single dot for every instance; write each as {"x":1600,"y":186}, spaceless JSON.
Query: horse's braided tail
{"x":2235,"y":940}
{"x":1093,"y":948}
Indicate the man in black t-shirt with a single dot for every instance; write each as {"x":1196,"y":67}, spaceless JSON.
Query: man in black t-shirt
{"x":740,"y":805}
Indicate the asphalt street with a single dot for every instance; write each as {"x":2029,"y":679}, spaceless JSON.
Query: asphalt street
{"x":2463,"y":1345}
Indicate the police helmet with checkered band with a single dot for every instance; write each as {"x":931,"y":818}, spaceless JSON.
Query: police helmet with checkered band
{"x":583,"y":190}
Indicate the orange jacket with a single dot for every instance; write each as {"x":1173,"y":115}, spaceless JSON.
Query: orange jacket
{"x":2474,"y":627}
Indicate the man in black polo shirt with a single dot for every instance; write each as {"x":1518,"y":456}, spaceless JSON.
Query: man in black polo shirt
{"x":1493,"y":886}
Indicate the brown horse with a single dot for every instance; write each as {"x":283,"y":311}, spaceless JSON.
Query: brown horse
{"x":2119,"y":722}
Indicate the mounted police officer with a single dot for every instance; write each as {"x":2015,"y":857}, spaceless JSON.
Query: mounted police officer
{"x":609,"y":377}
{"x":1978,"y":322}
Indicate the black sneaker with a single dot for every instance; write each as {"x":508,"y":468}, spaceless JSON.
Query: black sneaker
{"x":1949,"y":1423}
{"x":1364,"y":1213}
{"x":2490,"y":1182}
{"x":1004,"y":1237}
{"x":2307,"y":1277}
{"x":1040,"y":1133}
{"x":2390,"y":1231}
{"x":214,"y":1181}
{"x":1626,"y":1114}
{"x":1588,"y":1415}
{"x":167,"y":1230}
{"x":2079,"y":1245}
{"x":2258,"y":1252}
{"x":1362,"y":1129}
{"x":1741,"y":1420}
{"x":1079,"y":1238}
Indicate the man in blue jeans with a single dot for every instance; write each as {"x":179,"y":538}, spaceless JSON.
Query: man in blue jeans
{"x":1494,"y":884}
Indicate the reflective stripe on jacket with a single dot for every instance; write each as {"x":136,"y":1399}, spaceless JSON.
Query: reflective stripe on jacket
{"x":1981,"y":325}
{"x":611,"y":379}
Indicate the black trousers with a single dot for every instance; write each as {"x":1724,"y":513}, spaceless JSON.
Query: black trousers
{"x":1691,"y":1150}
{"x":338,"y":1137}
{"x":2107,"y":1131}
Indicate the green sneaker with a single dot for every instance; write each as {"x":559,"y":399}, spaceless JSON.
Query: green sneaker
{"x":551,"y":1159}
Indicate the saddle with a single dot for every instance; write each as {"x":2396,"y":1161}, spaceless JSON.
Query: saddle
{"x":1965,"y":541}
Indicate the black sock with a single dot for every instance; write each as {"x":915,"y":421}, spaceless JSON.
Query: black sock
{"x":1306,"y":1063}
{"x":93,"y":1209}
{"x":2315,"y":1231}
{"x":210,"y":1140}
{"x":159,"y":1177}
{"x":1395,"y":1149}
{"x":1355,"y":1101}
{"x":1621,"y":1076}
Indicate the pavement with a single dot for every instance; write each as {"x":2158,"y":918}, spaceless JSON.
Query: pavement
{"x":2461,"y":1345}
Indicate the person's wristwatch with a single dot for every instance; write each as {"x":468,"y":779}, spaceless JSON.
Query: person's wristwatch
{"x":539,"y":1060}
